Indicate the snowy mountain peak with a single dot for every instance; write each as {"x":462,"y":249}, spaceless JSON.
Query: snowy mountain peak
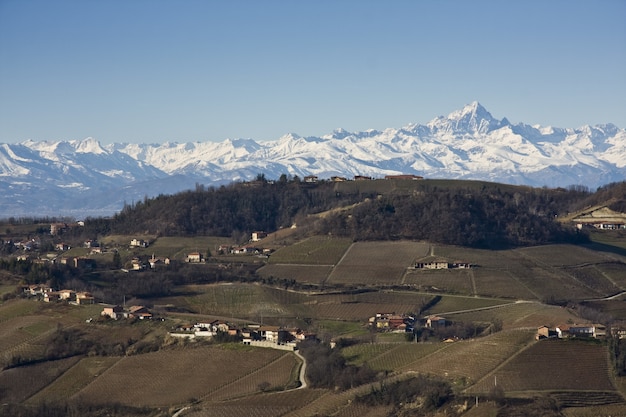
{"x":472,"y":118}
{"x":80,"y":177}
{"x":89,"y":145}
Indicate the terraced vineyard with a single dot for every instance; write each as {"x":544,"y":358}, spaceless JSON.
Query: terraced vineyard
{"x":19,"y":384}
{"x":449,"y":281}
{"x":281,"y":375}
{"x":203,"y":371}
{"x":520,"y":315}
{"x":554,"y":365}
{"x":313,"y":274}
{"x":74,"y":379}
{"x":260,"y":405}
{"x":373,"y":263}
{"x":473,"y":359}
{"x":394,"y":356}
{"x":317,"y":250}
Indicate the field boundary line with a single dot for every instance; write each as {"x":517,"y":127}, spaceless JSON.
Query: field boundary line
{"x":558,"y":273}
{"x":77,"y":394}
{"x":473,"y":280}
{"x":255,"y":371}
{"x":445,"y":346}
{"x":516,"y":279}
{"x":55,"y":379}
{"x":502,"y":364}
{"x":605,"y":275}
{"x":330,"y":274}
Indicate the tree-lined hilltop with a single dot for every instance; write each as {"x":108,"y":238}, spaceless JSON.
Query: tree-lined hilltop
{"x":468,"y":213}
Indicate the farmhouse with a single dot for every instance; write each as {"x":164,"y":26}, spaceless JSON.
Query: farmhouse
{"x":433,"y":321}
{"x":51,"y":296}
{"x":114,"y":312}
{"x":256,"y":236}
{"x":90,"y":244}
{"x":157,"y":262}
{"x":310,"y":178}
{"x":57,"y":228}
{"x":597,"y":331}
{"x":245,"y":250}
{"x":403,"y":177}
{"x":138,"y":243}
{"x":194,"y":257}
{"x":602,"y":218}
{"x":139,"y":312}
{"x":84,"y":263}
{"x":392,"y":322}
{"x":433,"y":264}
{"x":84,"y":297}
{"x":62,"y":247}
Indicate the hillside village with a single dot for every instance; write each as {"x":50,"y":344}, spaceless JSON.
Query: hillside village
{"x":295,"y":312}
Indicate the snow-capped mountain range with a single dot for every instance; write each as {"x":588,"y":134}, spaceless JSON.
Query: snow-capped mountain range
{"x":84,"y":178}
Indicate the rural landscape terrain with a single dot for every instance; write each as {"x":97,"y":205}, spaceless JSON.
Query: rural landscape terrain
{"x":309,"y":297}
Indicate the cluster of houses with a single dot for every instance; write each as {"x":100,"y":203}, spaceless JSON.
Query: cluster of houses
{"x":314,"y":178}
{"x":441,"y":264}
{"x":118,"y":312}
{"x":252,"y":334}
{"x":404,"y":323}
{"x":602,"y":218}
{"x":593,"y":330}
{"x":48,"y":295}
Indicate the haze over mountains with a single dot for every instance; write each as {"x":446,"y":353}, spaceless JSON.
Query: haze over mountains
{"x":84,"y":178}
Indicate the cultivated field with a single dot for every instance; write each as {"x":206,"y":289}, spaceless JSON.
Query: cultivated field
{"x":452,"y":281}
{"x":312,"y":274}
{"x":529,"y":315}
{"x":19,"y":384}
{"x":261,"y":405}
{"x":553,"y":365}
{"x":175,"y":376}
{"x":74,"y":379}
{"x":391,"y":357}
{"x":317,"y":250}
{"x":374,"y":263}
{"x":471,"y":360}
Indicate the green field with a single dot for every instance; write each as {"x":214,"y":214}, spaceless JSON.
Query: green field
{"x":317,"y":250}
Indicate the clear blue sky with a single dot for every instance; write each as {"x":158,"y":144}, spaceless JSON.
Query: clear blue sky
{"x":154,"y":70}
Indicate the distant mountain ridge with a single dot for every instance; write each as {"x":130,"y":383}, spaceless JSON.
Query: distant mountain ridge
{"x":83,"y":177}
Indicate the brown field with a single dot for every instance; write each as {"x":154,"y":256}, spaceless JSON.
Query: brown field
{"x":261,"y":405}
{"x":18,"y":384}
{"x":376,"y":263}
{"x":245,"y":301}
{"x":615,"y":308}
{"x":75,"y":379}
{"x":520,"y":315}
{"x":553,"y":365}
{"x":453,"y":281}
{"x":455,"y":303}
{"x":562,"y":255}
{"x":316,"y":250}
{"x":609,"y":410}
{"x":16,"y":308}
{"x":400,"y":356}
{"x":471,"y":360}
{"x":175,"y":376}
{"x":280,"y":376}
{"x":615,"y":272}
{"x":502,"y":283}
{"x":313,"y":274}
{"x":357,"y":311}
{"x":558,"y":271}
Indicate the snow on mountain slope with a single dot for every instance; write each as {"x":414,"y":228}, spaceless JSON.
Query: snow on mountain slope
{"x":82,"y":176}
